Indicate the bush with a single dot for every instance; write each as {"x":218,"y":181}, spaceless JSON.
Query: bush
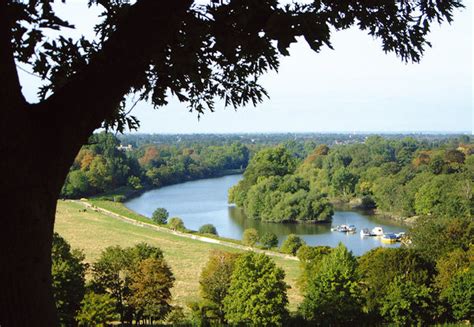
{"x":68,"y":279}
{"x":461,"y":295}
{"x":96,"y":310}
{"x":208,"y":229}
{"x":176,"y":223}
{"x":406,"y":303}
{"x":269,"y":240}
{"x":292,"y":244}
{"x":120,"y":198}
{"x":160,"y":216}
{"x":250,"y":237}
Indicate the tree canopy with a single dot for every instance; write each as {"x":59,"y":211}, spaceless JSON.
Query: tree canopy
{"x":68,"y":271}
{"x":211,"y":49}
{"x":332,"y":295}
{"x":257,"y":292}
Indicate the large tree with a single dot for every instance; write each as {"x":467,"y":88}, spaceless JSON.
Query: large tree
{"x":154,"y":48}
{"x":257,"y":292}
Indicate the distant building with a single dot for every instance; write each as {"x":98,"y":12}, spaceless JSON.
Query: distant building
{"x":128,"y":147}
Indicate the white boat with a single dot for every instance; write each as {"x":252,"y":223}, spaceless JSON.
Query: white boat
{"x":377,"y":231}
{"x":344,"y":229}
{"x":365,"y":232}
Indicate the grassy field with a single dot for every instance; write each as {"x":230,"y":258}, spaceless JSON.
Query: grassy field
{"x":93,"y":231}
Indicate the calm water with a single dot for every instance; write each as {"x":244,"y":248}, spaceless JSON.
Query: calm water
{"x":205,"y":202}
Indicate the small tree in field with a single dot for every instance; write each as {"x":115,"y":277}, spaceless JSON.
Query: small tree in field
{"x":269,"y":240}
{"x":250,"y":237}
{"x":160,"y":216}
{"x":292,"y":244}
{"x":116,"y":271}
{"x":150,"y":287}
{"x":208,"y":229}
{"x":257,"y":293}
{"x":215,"y":280}
{"x":176,"y":223}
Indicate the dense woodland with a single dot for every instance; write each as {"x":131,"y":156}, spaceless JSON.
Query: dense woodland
{"x":398,"y":177}
{"x":103,"y":166}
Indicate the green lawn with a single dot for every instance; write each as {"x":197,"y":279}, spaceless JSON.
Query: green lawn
{"x":93,"y":231}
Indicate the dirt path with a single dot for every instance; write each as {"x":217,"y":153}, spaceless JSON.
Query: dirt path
{"x":186,"y":235}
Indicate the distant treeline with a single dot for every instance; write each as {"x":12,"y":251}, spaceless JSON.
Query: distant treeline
{"x":304,"y":140}
{"x":105,"y":166}
{"x":401,"y":177}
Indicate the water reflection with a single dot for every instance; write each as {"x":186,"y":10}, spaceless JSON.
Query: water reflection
{"x":238,"y":216}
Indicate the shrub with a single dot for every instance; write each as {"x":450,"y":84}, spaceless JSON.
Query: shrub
{"x":269,"y":240}
{"x":120,"y":198}
{"x":250,"y":237}
{"x":292,"y":244}
{"x":96,"y":310}
{"x":160,"y":216}
{"x":68,"y":281}
{"x":208,"y":229}
{"x":176,"y":223}
{"x":406,"y":303}
{"x":461,"y":295}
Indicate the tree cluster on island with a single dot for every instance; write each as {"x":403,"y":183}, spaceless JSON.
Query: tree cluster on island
{"x":270,"y":191}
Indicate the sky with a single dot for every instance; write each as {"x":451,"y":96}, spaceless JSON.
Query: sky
{"x":354,"y":88}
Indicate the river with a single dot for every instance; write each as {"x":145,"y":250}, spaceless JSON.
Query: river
{"x":205,"y":202}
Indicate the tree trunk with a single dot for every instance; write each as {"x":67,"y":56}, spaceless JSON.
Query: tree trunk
{"x":39,"y":144}
{"x":25,"y":275}
{"x":33,"y":166}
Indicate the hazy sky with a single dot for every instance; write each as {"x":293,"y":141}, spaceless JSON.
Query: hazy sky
{"x":355,"y":87}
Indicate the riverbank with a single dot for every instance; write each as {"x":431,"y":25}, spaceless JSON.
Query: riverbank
{"x":126,"y":193}
{"x":94,"y":229}
{"x":357,"y":205}
{"x":119,"y":211}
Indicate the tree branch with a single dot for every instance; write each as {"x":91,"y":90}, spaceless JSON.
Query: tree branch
{"x":93,"y":94}
{"x":10,"y":93}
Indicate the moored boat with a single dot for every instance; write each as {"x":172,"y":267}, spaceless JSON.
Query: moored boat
{"x":365,"y":232}
{"x":351,"y":229}
{"x":389,"y":238}
{"x":377,"y":231}
{"x":344,"y":229}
